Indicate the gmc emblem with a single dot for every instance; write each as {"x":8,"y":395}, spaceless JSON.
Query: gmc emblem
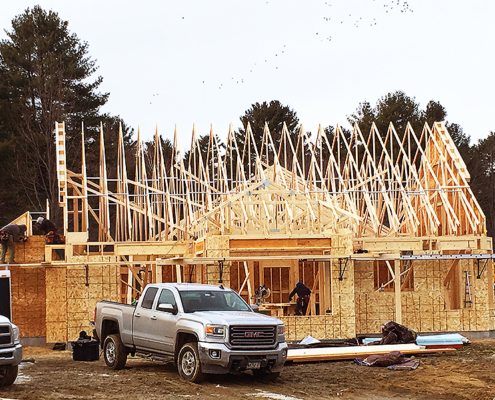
{"x":252,"y":334}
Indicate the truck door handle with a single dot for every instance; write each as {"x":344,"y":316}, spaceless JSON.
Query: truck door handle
{"x":137,"y":315}
{"x":153,"y":318}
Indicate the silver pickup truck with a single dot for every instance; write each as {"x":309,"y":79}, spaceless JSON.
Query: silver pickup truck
{"x":10,"y":351}
{"x":206,"y":329}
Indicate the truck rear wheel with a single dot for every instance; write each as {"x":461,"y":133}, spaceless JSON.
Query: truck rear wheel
{"x":188,"y":363}
{"x":114,"y":352}
{"x":8,"y":375}
{"x":263,"y":375}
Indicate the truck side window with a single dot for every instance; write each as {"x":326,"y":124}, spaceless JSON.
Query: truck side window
{"x":166,"y":297}
{"x":149,"y":297}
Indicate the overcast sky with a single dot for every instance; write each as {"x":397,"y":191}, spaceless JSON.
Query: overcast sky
{"x":205,"y":62}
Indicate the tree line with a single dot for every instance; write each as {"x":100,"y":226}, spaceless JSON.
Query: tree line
{"x":47,"y":75}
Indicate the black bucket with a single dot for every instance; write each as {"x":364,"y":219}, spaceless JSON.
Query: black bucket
{"x":85,"y":350}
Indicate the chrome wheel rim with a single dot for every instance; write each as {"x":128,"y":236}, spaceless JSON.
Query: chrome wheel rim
{"x":188,"y":362}
{"x":110,"y":352}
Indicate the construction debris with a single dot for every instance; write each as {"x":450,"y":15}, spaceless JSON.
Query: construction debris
{"x":393,"y":360}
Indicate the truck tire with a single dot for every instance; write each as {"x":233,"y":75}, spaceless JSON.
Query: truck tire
{"x":114,"y":352}
{"x":188,"y":363}
{"x":8,"y":374}
{"x":264,"y":375}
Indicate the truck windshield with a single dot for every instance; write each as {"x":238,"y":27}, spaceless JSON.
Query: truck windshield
{"x":208,"y":300}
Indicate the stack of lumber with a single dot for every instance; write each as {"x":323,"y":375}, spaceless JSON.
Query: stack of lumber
{"x":351,"y":352}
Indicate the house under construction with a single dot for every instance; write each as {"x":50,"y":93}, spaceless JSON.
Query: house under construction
{"x":379,"y":225}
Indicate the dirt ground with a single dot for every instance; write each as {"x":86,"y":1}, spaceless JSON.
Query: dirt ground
{"x":466,"y":374}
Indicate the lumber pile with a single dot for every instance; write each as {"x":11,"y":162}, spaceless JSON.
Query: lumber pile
{"x":351,"y":352}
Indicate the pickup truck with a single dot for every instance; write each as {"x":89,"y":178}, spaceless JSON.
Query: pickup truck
{"x":207,"y":329}
{"x":10,"y":351}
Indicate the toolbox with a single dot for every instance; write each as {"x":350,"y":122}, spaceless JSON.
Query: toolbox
{"x":85,"y":350}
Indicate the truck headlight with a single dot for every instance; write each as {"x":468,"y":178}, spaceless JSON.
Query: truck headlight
{"x":15,"y":334}
{"x":215,"y":330}
{"x":281,"y":329}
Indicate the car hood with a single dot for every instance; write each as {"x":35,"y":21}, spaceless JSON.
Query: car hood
{"x":232,"y":318}
{"x":3,"y":319}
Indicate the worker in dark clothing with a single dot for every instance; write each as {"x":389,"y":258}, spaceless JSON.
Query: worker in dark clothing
{"x":9,"y":235}
{"x":45,"y":225}
{"x":303,"y":294}
{"x":51,"y":234}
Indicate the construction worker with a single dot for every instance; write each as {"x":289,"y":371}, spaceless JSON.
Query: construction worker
{"x":51,"y":234}
{"x":9,"y":235}
{"x":45,"y":225}
{"x":303,"y":294}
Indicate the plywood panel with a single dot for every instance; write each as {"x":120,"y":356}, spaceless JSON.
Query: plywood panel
{"x":28,"y":300}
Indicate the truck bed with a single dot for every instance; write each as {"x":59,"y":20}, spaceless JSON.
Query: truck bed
{"x":117,"y":303}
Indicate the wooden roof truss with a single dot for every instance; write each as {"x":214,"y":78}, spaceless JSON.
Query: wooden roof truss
{"x":377,"y":184}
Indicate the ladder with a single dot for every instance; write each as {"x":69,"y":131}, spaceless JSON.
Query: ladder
{"x":467,"y":293}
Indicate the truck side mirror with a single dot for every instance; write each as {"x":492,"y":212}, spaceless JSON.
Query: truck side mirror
{"x":255,"y":308}
{"x":167,"y":308}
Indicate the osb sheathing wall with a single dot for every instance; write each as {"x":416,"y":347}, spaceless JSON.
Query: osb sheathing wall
{"x":217,"y":246}
{"x":341,"y":323}
{"x":72,"y":293}
{"x":28,"y":288}
{"x":423,"y":309}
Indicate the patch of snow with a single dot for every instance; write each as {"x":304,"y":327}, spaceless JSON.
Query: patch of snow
{"x":219,"y":386}
{"x":274,"y":396}
{"x":21,"y":378}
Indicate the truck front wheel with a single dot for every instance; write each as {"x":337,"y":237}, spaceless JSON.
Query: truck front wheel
{"x":8,"y":374}
{"x":114,"y":352}
{"x":188,"y":363}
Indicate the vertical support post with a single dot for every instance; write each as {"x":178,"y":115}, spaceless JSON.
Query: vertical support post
{"x":47,"y":209}
{"x":398,"y":305}
{"x":130,"y":281}
{"x":159,"y":273}
{"x":326,"y":286}
{"x":178,"y":273}
{"x":489,"y":275}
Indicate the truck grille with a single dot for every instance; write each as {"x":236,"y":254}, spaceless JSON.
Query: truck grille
{"x":252,"y":336}
{"x":5,"y":337}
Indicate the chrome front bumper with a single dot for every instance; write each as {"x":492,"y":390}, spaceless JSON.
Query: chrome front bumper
{"x":11,"y":355}
{"x":229,"y":360}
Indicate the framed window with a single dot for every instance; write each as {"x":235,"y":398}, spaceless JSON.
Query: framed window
{"x":382,"y":278}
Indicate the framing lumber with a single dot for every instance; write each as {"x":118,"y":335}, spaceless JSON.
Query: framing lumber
{"x":351,"y":352}
{"x":277,"y":203}
{"x":399,"y":184}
